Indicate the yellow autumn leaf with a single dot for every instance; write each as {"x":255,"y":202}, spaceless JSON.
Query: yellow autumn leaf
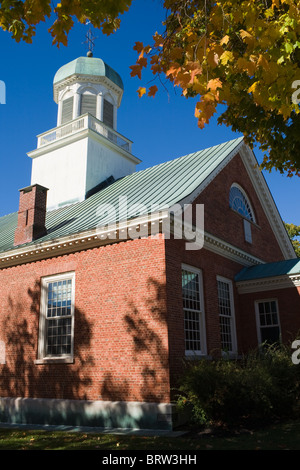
{"x":275,"y":3}
{"x":224,"y":40}
{"x":214,"y":84}
{"x":262,"y":61}
{"x":199,"y":85}
{"x":141,"y":91}
{"x":247,"y":37}
{"x":244,"y":34}
{"x":253,"y":87}
{"x":226,"y":57}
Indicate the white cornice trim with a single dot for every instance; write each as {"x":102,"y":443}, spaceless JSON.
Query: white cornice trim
{"x":114,"y":234}
{"x":267,"y":202}
{"x":262,"y":191}
{"x":268,"y":284}
{"x":78,"y":242}
{"x":229,"y":251}
{"x":110,"y":85}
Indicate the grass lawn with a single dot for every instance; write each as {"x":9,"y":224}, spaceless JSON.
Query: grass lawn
{"x":277,"y":437}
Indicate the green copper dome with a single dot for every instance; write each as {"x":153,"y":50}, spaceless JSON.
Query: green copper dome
{"x":88,"y":66}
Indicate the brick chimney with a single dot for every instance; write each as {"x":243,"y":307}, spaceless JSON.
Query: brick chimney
{"x":31,"y":215}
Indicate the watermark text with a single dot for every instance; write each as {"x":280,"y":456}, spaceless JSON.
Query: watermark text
{"x":2,"y":92}
{"x":137,"y":220}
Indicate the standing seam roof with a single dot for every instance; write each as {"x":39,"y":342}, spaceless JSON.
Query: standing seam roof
{"x":165,"y":185}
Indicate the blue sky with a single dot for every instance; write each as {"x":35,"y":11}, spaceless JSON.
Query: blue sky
{"x":161,"y":129}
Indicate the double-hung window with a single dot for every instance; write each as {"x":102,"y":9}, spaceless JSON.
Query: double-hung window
{"x":56,"y":331}
{"x":193,"y":309}
{"x":226,"y":315}
{"x":267,"y":319}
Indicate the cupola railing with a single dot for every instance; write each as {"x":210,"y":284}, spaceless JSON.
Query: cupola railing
{"x":84,"y":122}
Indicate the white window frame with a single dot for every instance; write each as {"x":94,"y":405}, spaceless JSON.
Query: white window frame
{"x":257,"y":315}
{"x":247,"y":201}
{"x":201,"y":313}
{"x":232,"y":316}
{"x":247,"y":231}
{"x":42,"y":340}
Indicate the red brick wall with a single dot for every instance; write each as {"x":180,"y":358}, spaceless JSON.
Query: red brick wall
{"x":129,"y":332}
{"x":31,"y":215}
{"x":226,"y":224}
{"x":289,"y":314}
{"x":121,"y":340}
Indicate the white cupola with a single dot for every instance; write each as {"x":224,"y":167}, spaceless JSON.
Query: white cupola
{"x":87,"y":85}
{"x":85,"y":148}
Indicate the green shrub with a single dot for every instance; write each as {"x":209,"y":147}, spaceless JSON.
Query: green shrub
{"x":257,"y":388}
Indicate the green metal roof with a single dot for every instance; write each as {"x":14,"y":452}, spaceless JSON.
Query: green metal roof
{"x":163,"y":185}
{"x":88,"y":66}
{"x":279,"y":268}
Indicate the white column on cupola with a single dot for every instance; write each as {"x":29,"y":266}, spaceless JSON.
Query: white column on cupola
{"x":76,"y":105}
{"x":115,"y":117}
{"x":59,"y":109}
{"x":99,"y":109}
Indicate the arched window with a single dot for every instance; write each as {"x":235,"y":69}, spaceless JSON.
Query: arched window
{"x":239,"y":202}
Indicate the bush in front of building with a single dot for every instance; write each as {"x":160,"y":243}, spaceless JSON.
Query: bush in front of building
{"x":255,"y":389}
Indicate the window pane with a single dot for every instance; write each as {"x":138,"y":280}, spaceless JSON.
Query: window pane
{"x":59,"y":337}
{"x":261,"y":308}
{"x":270,"y":335}
{"x":226,"y":334}
{"x":59,"y":295}
{"x":192,"y":310}
{"x":225,"y":315}
{"x":192,"y":331}
{"x":59,"y":318}
{"x":269,"y":322}
{"x":239,"y":203}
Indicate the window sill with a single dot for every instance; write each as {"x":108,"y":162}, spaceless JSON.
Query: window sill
{"x":195,"y":355}
{"x":55,"y":360}
{"x":230,"y":355}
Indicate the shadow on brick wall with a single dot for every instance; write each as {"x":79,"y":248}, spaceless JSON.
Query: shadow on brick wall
{"x":20,"y":376}
{"x":145,"y":330}
{"x":145,"y":335}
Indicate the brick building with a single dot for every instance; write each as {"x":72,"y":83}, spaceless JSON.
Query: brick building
{"x":110,"y":276}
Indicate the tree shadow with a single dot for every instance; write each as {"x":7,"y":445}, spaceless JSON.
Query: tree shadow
{"x":147,"y":349}
{"x":20,"y":376}
{"x":145,"y":339}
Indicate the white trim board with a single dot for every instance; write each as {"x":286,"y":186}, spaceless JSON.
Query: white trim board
{"x":268,"y":284}
{"x":262,"y":190}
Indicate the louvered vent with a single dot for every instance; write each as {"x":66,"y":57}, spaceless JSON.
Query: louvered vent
{"x":108,"y":113}
{"x":67,"y":110}
{"x":88,"y":104}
